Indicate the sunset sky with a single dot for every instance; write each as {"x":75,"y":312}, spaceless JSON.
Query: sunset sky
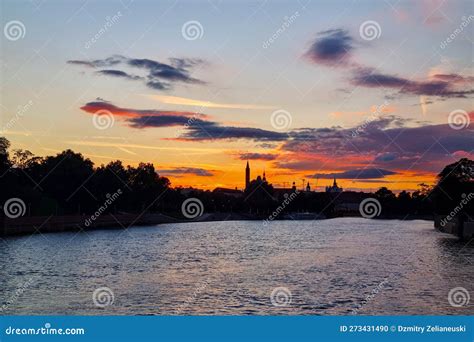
{"x":359,"y":90}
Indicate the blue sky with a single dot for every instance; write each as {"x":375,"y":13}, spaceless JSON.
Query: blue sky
{"x":235,"y":68}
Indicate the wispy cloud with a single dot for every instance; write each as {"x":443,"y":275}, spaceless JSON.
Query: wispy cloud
{"x":180,"y":171}
{"x":204,"y":104}
{"x":385,"y":109}
{"x":141,"y":146}
{"x":121,"y":148}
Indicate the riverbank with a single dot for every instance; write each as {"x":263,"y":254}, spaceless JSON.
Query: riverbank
{"x":53,"y":224}
{"x":463,"y":230}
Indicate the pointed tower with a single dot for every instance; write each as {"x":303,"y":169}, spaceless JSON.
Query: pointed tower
{"x":247,"y":175}
{"x":264,"y":178}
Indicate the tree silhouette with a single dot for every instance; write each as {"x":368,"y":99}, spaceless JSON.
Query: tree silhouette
{"x":69,"y":184}
{"x":455,"y":182}
{"x":4,"y":161}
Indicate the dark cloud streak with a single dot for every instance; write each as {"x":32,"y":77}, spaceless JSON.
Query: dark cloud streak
{"x":160,"y":76}
{"x":335,"y":48}
{"x":207,"y":130}
{"x":370,"y":173}
{"x":440,"y":87}
{"x":118,"y":73}
{"x":257,"y":156}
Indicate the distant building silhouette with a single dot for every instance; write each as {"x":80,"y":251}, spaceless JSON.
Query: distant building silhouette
{"x":189,"y":190}
{"x":228,"y":192}
{"x":259,"y":179}
{"x":262,"y":179}
{"x":334,"y":188}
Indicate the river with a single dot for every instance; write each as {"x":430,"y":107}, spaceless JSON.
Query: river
{"x":340,"y":266}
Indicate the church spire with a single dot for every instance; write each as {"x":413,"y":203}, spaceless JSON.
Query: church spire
{"x":247,"y":175}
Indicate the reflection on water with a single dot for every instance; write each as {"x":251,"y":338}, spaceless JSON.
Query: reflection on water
{"x":330,"y":267}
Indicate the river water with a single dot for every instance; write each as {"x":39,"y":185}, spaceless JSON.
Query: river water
{"x":328,"y":267}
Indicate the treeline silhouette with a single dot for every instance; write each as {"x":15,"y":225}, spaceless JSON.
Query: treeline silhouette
{"x":69,"y":184}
